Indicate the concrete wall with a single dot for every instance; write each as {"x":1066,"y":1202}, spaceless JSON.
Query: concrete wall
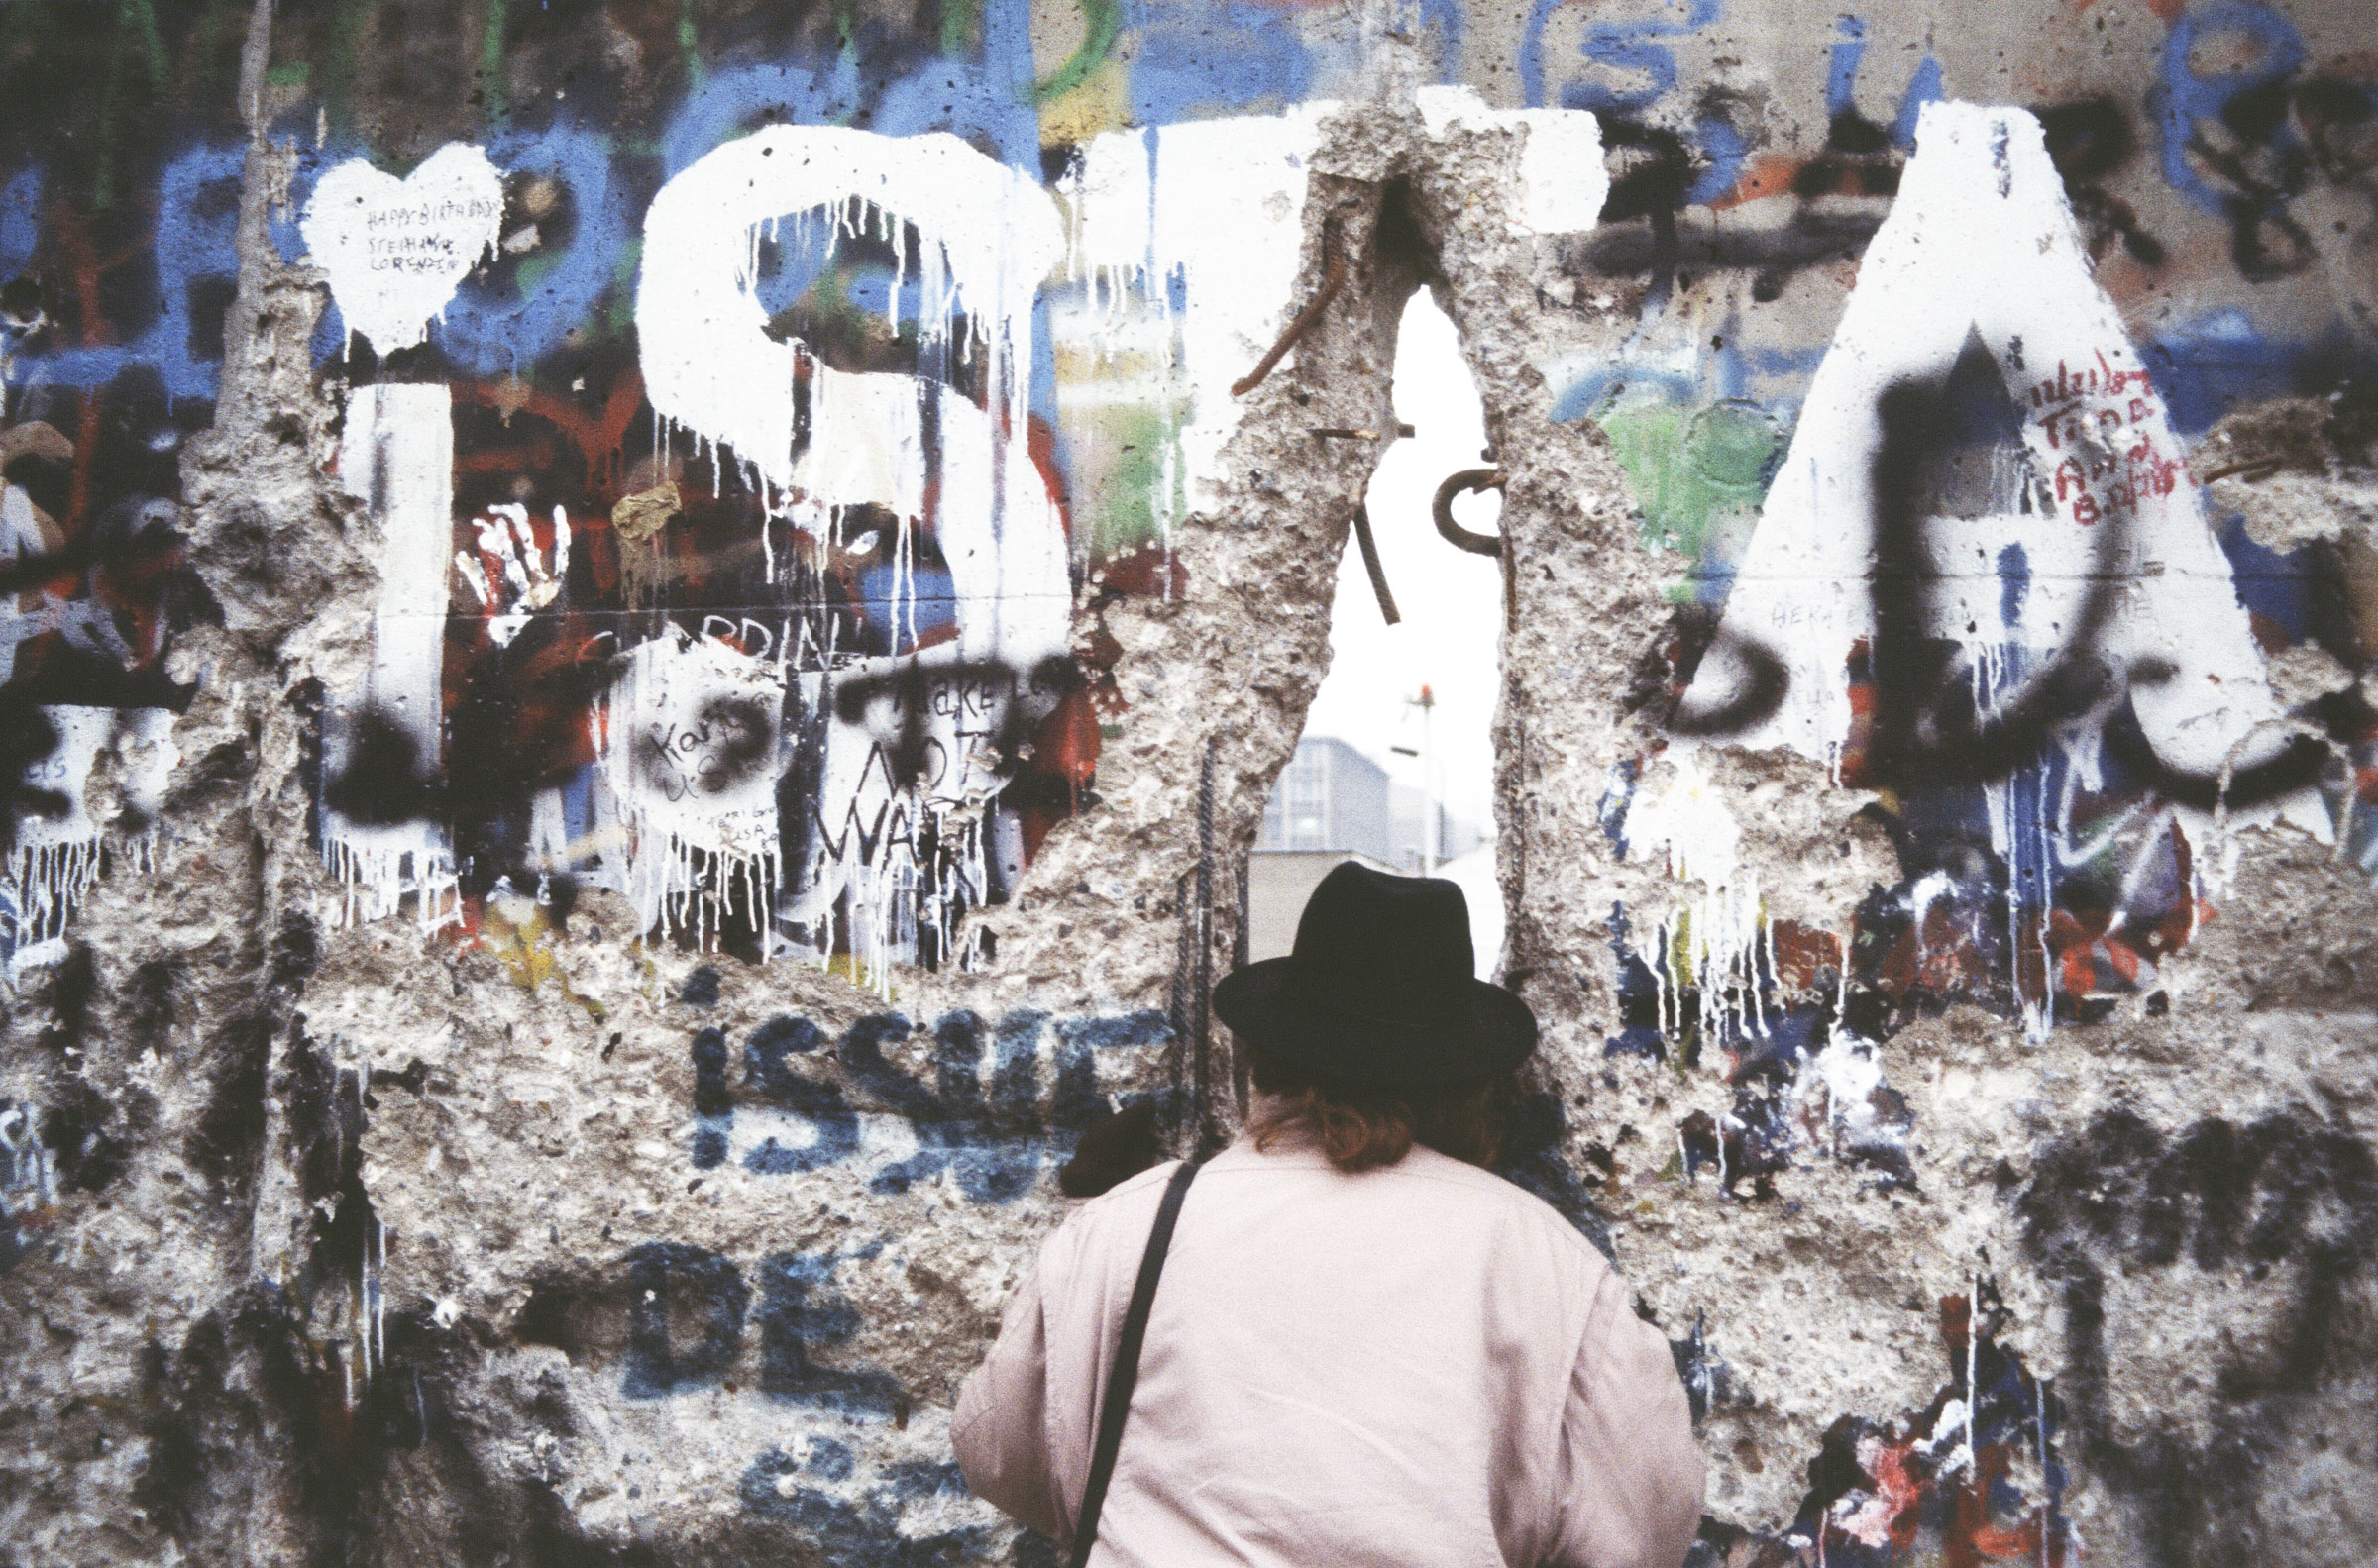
{"x":643,"y":642}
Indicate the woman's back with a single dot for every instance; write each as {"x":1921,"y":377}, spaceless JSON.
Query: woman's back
{"x":1418,"y":1364}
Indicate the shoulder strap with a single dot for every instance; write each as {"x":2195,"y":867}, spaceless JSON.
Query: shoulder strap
{"x":1116,"y":1408}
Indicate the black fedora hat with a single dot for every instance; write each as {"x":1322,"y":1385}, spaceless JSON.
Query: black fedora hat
{"x":1381,"y":989}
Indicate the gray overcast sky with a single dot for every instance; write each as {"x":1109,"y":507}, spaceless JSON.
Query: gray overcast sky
{"x":1451,"y":600}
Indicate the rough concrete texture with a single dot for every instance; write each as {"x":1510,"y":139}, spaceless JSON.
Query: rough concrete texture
{"x":1958,"y":1026}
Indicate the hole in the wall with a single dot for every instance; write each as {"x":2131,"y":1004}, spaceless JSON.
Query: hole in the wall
{"x":1396,"y":764}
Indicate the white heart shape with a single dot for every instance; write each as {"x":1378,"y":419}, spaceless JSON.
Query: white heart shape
{"x":395,"y":249}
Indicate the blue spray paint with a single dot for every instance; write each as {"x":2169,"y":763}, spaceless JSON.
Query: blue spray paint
{"x":1618,"y":48}
{"x":1722,"y":147}
{"x":713,"y":1104}
{"x":733,"y":103}
{"x":1841,"y":69}
{"x":860,"y":1534}
{"x":1213,"y":57}
{"x":2220,"y":360}
{"x":1841,"y":82}
{"x":2186,"y":97}
{"x":800,"y":1313}
{"x":686,"y":1311}
{"x":659,"y":1361}
{"x":2014,"y":584}
{"x":555,"y":293}
{"x":19,"y":221}
{"x":768,"y":1073}
{"x":195,"y":249}
{"x":982,"y":1119}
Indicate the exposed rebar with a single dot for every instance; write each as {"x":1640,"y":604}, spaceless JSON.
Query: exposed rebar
{"x":1370,"y":564}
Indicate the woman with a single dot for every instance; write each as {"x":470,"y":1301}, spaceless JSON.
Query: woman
{"x":1363,"y":1348}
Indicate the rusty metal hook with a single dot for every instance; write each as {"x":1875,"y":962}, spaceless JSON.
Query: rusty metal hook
{"x":1463,"y":483}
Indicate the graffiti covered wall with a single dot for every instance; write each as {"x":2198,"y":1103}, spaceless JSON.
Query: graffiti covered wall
{"x":645,"y":642}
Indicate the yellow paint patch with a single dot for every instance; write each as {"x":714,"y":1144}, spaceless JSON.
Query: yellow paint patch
{"x":1101,"y":101}
{"x":524,"y":945}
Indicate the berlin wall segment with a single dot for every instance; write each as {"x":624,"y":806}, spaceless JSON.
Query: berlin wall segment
{"x":644,"y":643}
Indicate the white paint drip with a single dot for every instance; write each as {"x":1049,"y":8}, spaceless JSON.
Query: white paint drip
{"x":867,"y":876}
{"x":987,"y":237}
{"x":1973,"y":1353}
{"x":1981,"y":241}
{"x":56,"y":859}
{"x":1928,"y":891}
{"x":2039,"y":1427}
{"x":398,"y":456}
{"x":1716,"y":942}
{"x":27,"y":1160}
{"x":691,"y":739}
{"x":1216,"y":205}
{"x":1837,"y":1087}
{"x":1980,"y":244}
{"x":1956,"y":1416}
{"x":396,"y":249}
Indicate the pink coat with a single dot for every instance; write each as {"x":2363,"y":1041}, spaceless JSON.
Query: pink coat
{"x":1421,"y":1365}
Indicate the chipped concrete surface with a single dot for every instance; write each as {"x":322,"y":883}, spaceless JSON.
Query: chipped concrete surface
{"x":539,"y":1238}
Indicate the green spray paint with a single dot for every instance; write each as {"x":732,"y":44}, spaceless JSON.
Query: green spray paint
{"x":137,"y":45}
{"x":689,"y":47}
{"x":958,"y":19}
{"x":336,"y":79}
{"x":1101,"y":24}
{"x":1700,"y":473}
{"x":495,"y":93}
{"x":1122,"y":464}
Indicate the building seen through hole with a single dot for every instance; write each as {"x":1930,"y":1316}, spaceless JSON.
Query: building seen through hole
{"x":1396,"y":765}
